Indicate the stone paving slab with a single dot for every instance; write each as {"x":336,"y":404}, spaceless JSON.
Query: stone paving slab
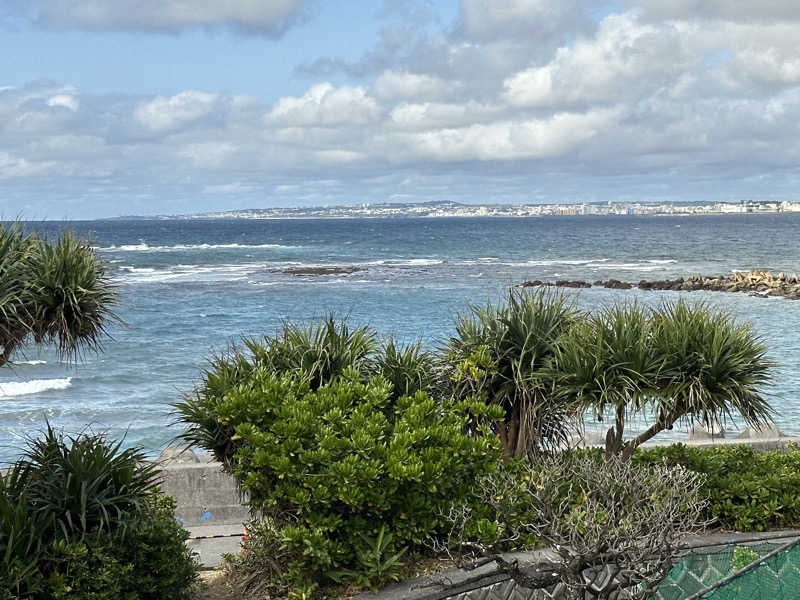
{"x":211,"y":549}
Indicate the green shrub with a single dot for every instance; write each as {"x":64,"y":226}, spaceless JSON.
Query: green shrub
{"x":146,"y":561}
{"x":21,"y":532}
{"x":83,"y":519}
{"x":260,"y":569}
{"x":749,"y":490}
{"x":333,"y":465}
{"x":317,"y":353}
{"x":742,"y":557}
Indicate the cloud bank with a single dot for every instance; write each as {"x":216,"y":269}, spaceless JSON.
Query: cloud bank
{"x":271,"y":18}
{"x":524,"y":100}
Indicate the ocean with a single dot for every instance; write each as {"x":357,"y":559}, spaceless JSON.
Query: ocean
{"x":190,"y":288}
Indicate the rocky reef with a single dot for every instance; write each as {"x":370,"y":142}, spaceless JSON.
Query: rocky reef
{"x":761,"y":283}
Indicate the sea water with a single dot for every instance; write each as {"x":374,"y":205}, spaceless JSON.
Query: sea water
{"x":190,"y":288}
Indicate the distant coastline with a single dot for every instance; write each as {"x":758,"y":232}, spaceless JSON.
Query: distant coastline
{"x":455,"y":209}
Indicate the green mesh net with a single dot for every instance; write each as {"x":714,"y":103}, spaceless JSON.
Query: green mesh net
{"x":776,"y":578}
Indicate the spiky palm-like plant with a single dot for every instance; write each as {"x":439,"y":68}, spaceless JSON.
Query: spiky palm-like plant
{"x":503,"y":353}
{"x":608,"y":362}
{"x":51,"y":293}
{"x":677,"y":363}
{"x":410,"y":368}
{"x":318,"y":352}
{"x":713,"y":368}
{"x":83,"y":484}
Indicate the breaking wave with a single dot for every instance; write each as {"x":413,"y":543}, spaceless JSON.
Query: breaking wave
{"x":144,"y":247}
{"x":10,"y":389}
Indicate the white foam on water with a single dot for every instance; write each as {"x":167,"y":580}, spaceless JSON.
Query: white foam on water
{"x":541,"y":263}
{"x":667,"y":261}
{"x":188,"y":273}
{"x":10,"y":389}
{"x":144,"y":247}
{"x":30,"y":362}
{"x":628,"y":267}
{"x":417,"y":262}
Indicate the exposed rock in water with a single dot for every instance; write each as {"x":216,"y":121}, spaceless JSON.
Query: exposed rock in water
{"x":616,"y":284}
{"x":322,"y":270}
{"x":573,"y":284}
{"x":536,"y":283}
{"x":757,"y":283}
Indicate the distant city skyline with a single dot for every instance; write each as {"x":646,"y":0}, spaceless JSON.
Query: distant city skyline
{"x":456,"y":209}
{"x":111,"y":107}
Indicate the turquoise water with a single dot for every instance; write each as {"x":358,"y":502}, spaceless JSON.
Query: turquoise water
{"x":190,"y":288}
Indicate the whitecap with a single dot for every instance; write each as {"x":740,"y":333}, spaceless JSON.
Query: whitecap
{"x":418,"y":262}
{"x":144,"y":247}
{"x":628,"y":267}
{"x":10,"y":389}
{"x":185,"y":273}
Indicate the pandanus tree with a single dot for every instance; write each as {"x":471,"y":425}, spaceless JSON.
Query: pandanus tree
{"x":503,"y":354}
{"x":678,"y":363}
{"x":51,"y":293}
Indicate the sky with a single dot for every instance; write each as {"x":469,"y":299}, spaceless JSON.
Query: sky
{"x":120,"y":107}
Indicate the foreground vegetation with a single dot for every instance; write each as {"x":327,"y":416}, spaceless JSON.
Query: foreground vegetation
{"x":53,"y":292}
{"x":82,"y":518}
{"x":357,"y":454}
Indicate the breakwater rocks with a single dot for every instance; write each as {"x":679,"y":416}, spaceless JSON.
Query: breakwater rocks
{"x":761,"y":283}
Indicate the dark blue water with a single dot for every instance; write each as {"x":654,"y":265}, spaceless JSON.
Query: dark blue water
{"x":189,"y":288}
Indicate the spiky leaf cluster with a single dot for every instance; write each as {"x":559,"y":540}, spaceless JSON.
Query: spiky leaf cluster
{"x":51,"y":292}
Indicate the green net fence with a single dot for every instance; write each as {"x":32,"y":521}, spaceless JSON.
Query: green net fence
{"x":764,"y":571}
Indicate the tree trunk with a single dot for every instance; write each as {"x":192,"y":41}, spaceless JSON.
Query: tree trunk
{"x":508,"y":432}
{"x":614,"y":434}
{"x":662,"y":422}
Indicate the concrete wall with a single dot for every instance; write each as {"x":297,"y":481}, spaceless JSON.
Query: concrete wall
{"x":204,"y":494}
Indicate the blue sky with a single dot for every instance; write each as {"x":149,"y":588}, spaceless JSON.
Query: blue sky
{"x":112,"y":107}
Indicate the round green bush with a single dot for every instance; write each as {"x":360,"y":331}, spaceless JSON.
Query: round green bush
{"x":343,"y":465}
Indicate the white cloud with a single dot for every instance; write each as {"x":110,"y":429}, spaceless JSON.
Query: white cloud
{"x":624,"y":59}
{"x":486,"y":19}
{"x":12,"y":167}
{"x":504,"y":140}
{"x":732,"y":10}
{"x":323,"y":104}
{"x":161,"y":114}
{"x":392,"y":85}
{"x":64,"y":100}
{"x":769,"y":65}
{"x":428,"y":115}
{"x":270,"y":17}
{"x":209,"y":154}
